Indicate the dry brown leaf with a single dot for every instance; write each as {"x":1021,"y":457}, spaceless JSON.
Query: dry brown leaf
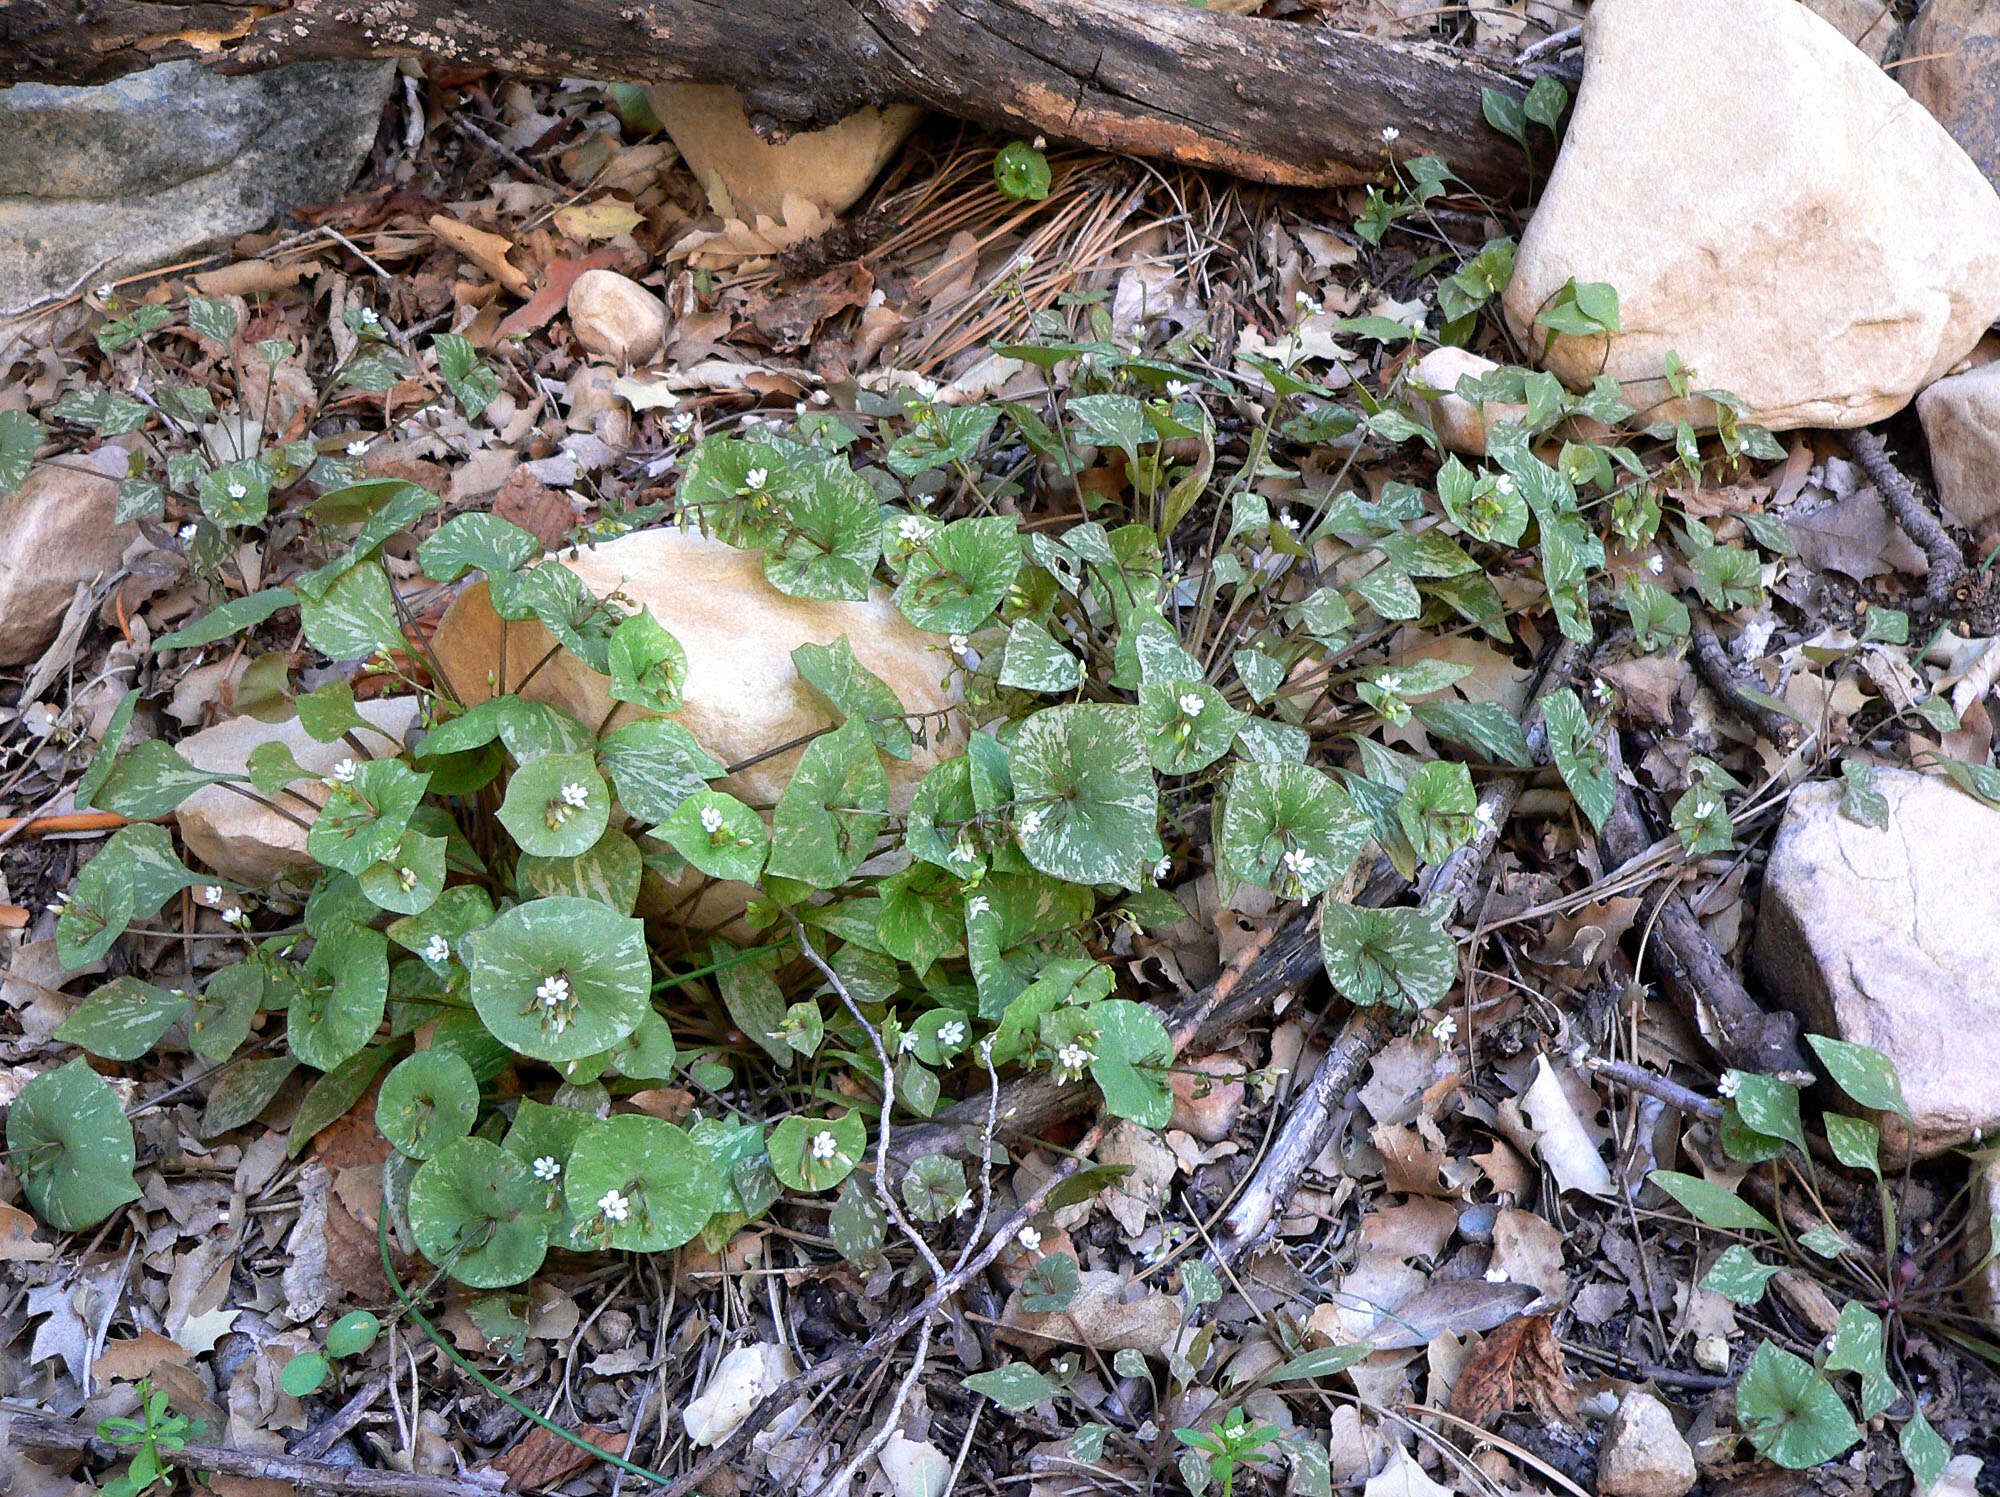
{"x":542,"y":1458}
{"x":487,"y":251}
{"x":253,"y":277}
{"x":1519,"y":1366}
{"x":789,"y":321}
{"x":126,"y":1361}
{"x":17,"y":1238}
{"x":549,"y":298}
{"x":1454,"y":1306}
{"x":543,"y":512}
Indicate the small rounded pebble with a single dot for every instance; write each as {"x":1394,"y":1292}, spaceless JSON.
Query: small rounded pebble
{"x":615,"y":317}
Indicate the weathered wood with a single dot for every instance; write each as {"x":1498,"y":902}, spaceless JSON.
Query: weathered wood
{"x":1273,"y":101}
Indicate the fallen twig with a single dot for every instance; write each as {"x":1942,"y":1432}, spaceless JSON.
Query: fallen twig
{"x":63,"y":821}
{"x":20,"y":1430}
{"x":1703,"y":985}
{"x":1639,"y":1079}
{"x":1712,"y":664}
{"x":1946,"y":585}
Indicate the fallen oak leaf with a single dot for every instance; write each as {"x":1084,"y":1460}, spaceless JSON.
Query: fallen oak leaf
{"x":1519,"y":1365}
{"x":544,"y":1458}
{"x":17,"y":1238}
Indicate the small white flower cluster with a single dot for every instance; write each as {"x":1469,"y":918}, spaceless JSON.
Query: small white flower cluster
{"x":343,"y":773}
{"x":616,"y":1208}
{"x":1163,"y":870}
{"x":553,"y":992}
{"x":1031,"y":822}
{"x":1444,"y":1029}
{"x":1030,"y":1239}
{"x":1289,"y":521}
{"x":913,"y":530}
{"x":575,"y":796}
{"x":1730,"y":1084}
{"x":711,"y":819}
{"x":437,"y":949}
{"x":824,"y":1145}
{"x":234,"y":915}
{"x":356,"y":447}
{"x":754,"y":480}
{"x":976,"y":906}
{"x":951,"y":1033}
{"x":1191,"y":704}
{"x":236,"y":490}
{"x":1072,"y":1060}
{"x":546,"y":1169}
{"x":1300,"y":864}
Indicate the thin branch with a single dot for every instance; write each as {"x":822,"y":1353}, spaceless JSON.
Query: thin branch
{"x":1945,"y":585}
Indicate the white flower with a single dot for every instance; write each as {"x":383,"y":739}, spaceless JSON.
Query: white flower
{"x":553,"y":991}
{"x":614,"y":1206}
{"x":344,"y":772}
{"x":1073,"y":1057}
{"x":546,"y":1167}
{"x":912,"y":529}
{"x":1656,"y":564}
{"x":1444,"y":1029}
{"x":711,"y":819}
{"x":1030,"y":1239}
{"x":1191,"y":704}
{"x":1390,"y":132}
{"x":1031,"y":823}
{"x":1504,"y":484}
{"x":437,"y":949}
{"x":825,"y":1145}
{"x":1730,"y":1083}
{"x":976,"y":906}
{"x":356,"y":447}
{"x":1290,"y":522}
{"x":1300,"y":863}
{"x":60,"y":903}
{"x":236,"y":490}
{"x":575,"y":795}
{"x":1602,"y":690}
{"x":959,"y":643}
{"x":1496,"y":1275}
{"x":234,"y":915}
{"x":951,"y":1032}
{"x":1176,"y":388}
{"x":1308,"y":306}
{"x":909,"y":1041}
{"x":211,"y":894}
{"x":187,"y":532}
{"x":755,"y":478}
{"x":1163,"y":869}
{"x":681,"y":422}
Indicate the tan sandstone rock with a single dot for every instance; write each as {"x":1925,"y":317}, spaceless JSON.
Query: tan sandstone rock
{"x":745,"y":176}
{"x":1887,"y":938}
{"x":742,"y":696}
{"x":1961,"y":416}
{"x":55,"y":532}
{"x":251,"y":844}
{"x":1869,"y":24}
{"x":615,"y":317}
{"x":1644,"y":1454}
{"x":1461,"y":425}
{"x":1954,"y":72}
{"x":1777,"y":212}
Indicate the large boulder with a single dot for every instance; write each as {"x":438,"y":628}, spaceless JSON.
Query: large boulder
{"x":1886,"y":937}
{"x":104,"y":181}
{"x":747,"y":177}
{"x":56,"y":531}
{"x":253,"y":844}
{"x":1954,"y":72}
{"x":742,"y":697}
{"x":1777,"y":212}
{"x":1961,"y":416}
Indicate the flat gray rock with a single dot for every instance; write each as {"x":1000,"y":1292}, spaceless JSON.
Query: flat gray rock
{"x":169,"y":163}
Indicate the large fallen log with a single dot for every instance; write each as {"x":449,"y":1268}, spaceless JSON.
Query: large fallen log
{"x":1274,"y":101}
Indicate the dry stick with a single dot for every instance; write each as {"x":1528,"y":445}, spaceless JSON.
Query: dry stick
{"x":64,"y":821}
{"x":323,"y":1437}
{"x":39,"y":1432}
{"x":1947,"y":580}
{"x":1702,"y":984}
{"x":1639,"y":1079}
{"x":1315,"y":1114}
{"x":1712,"y":664}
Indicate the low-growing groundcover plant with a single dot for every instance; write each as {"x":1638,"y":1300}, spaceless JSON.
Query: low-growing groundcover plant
{"x":1196,"y":663}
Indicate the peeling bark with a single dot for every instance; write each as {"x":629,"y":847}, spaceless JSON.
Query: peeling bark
{"x":1274,"y":101}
